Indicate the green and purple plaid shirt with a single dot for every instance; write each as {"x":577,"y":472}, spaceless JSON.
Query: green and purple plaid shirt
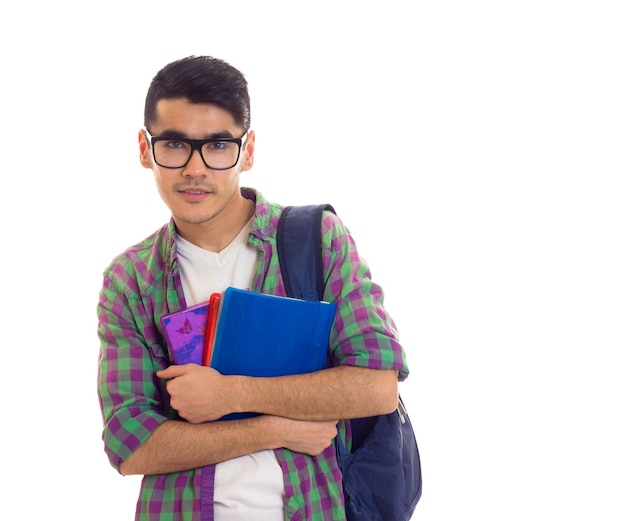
{"x":143,"y":283}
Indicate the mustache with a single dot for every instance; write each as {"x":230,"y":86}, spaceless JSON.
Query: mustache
{"x":194,"y":186}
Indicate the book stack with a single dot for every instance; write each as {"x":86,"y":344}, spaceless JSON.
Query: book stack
{"x":240,"y":332}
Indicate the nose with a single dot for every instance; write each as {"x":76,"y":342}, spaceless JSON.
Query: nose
{"x":195,"y":167}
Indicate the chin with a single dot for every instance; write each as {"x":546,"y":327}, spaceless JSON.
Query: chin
{"x":193,"y":217}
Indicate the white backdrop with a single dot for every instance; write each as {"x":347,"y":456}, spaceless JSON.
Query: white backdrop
{"x":476,"y":151}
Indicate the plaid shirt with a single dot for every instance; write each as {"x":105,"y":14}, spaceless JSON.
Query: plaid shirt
{"x":143,"y":283}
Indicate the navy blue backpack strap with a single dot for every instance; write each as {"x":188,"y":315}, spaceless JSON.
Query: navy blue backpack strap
{"x":298,"y":241}
{"x":299,"y":245}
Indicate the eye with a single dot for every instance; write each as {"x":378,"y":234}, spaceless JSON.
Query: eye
{"x":175,"y":145}
{"x":217,"y":146}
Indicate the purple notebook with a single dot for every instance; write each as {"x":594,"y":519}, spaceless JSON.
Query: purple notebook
{"x":184,"y":331}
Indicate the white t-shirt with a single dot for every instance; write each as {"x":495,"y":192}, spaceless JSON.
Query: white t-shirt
{"x":250,"y":487}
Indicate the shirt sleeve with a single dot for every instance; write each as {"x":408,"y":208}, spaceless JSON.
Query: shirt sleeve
{"x":130,"y":394}
{"x":364,"y":333}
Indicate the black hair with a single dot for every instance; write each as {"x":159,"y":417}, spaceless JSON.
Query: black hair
{"x":201,"y":79}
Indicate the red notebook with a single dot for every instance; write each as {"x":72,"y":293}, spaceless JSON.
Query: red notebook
{"x":211,"y":327}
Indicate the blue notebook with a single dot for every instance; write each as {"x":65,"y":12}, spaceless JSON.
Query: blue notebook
{"x":266,"y":335}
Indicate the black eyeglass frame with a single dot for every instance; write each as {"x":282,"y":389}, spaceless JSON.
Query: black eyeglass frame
{"x":197,"y":144}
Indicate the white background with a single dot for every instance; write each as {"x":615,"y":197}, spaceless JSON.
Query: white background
{"x":476,"y":151}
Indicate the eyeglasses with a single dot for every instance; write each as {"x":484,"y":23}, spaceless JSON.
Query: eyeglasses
{"x":219,"y":153}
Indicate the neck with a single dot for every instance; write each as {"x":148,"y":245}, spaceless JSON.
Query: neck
{"x":217,"y":232}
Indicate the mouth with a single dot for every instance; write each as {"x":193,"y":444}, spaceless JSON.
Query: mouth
{"x":194,"y":191}
{"x":194,"y":194}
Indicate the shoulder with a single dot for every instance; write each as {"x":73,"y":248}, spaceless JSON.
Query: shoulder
{"x":140,"y":266}
{"x":335,"y":234}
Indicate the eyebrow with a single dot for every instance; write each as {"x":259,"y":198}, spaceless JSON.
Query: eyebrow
{"x":176,"y":134}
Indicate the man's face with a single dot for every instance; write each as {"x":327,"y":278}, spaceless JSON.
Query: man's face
{"x":195,"y":193}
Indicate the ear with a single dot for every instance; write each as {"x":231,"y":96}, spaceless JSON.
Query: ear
{"x":144,"y":150}
{"x":248,"y":158}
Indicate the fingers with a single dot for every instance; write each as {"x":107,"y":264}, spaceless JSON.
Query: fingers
{"x":174,"y":371}
{"x":198,"y":393}
{"x":308,"y":437}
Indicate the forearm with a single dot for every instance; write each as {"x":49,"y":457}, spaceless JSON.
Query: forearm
{"x":176,"y":445}
{"x":337,"y":393}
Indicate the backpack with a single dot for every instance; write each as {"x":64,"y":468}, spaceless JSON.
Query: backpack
{"x":382,"y":476}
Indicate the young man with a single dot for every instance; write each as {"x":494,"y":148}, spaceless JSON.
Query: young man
{"x":159,"y":417}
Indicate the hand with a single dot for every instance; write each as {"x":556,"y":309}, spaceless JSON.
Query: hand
{"x":198,"y":393}
{"x":307,"y":437}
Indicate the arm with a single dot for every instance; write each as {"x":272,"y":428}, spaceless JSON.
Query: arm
{"x":339,"y":392}
{"x":177,"y":445}
{"x":201,"y":394}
